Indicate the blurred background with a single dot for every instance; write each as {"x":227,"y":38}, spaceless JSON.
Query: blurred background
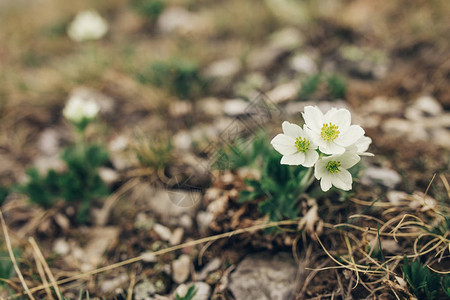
{"x":170,"y":75}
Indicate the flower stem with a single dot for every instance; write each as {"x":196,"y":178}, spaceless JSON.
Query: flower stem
{"x":307,"y":180}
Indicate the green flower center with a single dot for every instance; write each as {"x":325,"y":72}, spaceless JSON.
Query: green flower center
{"x":302,"y":144}
{"x":333,"y":166}
{"x":329,"y":132}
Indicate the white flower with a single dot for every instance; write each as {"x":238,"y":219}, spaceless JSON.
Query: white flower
{"x":332,"y":170}
{"x":295,"y":146}
{"x":360,"y":146}
{"x":78,"y":109}
{"x":332,"y":132}
{"x":87,"y":25}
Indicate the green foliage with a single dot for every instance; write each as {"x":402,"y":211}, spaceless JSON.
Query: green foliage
{"x":336,"y":86}
{"x":4,"y":191}
{"x":240,"y":154}
{"x":149,"y":8}
{"x":280,"y":185}
{"x":190,"y":294}
{"x":178,"y":76}
{"x":153,"y":153}
{"x":309,"y":86}
{"x":6,"y":266}
{"x":446,"y":284}
{"x":422,"y":282}
{"x":80,"y":183}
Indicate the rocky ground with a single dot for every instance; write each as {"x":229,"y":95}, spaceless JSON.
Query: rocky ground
{"x":178,"y":83}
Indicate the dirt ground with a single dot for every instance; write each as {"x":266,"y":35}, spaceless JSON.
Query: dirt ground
{"x":172,"y":79}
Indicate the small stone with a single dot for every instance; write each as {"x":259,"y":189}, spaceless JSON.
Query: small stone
{"x":264,"y":276}
{"x":143,"y":221}
{"x":181,"y":268}
{"x":401,"y":127}
{"x":387,"y":177}
{"x":144,"y":290}
{"x":225,"y":68}
{"x":177,"y":20}
{"x":186,"y":222}
{"x":203,"y":220}
{"x":61,"y":247}
{"x":108,"y":286}
{"x":108,"y":175}
{"x":163,"y":203}
{"x":180,"y":108}
{"x":203,"y":290}
{"x":62,"y":221}
{"x":210,"y":106}
{"x":182,"y":140}
{"x":162,"y":231}
{"x":441,"y":137}
{"x":429,"y":105}
{"x":423,"y":107}
{"x":251,"y":85}
{"x":149,"y":257}
{"x":302,"y":63}
{"x":287,"y":38}
{"x":177,"y":236}
{"x":100,"y":239}
{"x":280,"y":43}
{"x":46,"y":163}
{"x":384,"y":106}
{"x":212,"y":266}
{"x":235,"y":107}
{"x":284,"y":92}
{"x":49,"y":142}
{"x":396,"y":197}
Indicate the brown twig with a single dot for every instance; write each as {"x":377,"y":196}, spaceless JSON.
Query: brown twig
{"x":13,"y":259}
{"x":46,"y":267}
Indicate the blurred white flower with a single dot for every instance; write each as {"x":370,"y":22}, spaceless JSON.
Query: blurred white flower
{"x":360,"y":146}
{"x":332,"y":170}
{"x":295,"y":146}
{"x":79,"y":109}
{"x":332,"y":132}
{"x":87,"y":25}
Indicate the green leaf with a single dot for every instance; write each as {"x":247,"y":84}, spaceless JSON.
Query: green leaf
{"x":415,"y":274}
{"x":190,"y":294}
{"x":336,"y":86}
{"x":309,"y":86}
{"x":446,"y":284}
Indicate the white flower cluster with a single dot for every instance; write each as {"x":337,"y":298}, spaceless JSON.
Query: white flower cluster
{"x":79,"y":109}
{"x":328,"y":142}
{"x":87,"y":25}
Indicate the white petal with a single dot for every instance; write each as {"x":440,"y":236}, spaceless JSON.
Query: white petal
{"x":349,"y":159}
{"x":319,"y":168}
{"x":284,"y":144}
{"x":314,"y":137}
{"x":331,"y":111}
{"x":313,"y":118}
{"x":363,"y":143}
{"x":350,"y":136}
{"x":331,"y":148}
{"x":310,"y":158}
{"x":293,"y":159}
{"x":308,"y":135}
{"x":292,"y":130}
{"x":325,"y":183}
{"x":366,"y":154}
{"x":341,"y":118}
{"x":342,"y":180}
